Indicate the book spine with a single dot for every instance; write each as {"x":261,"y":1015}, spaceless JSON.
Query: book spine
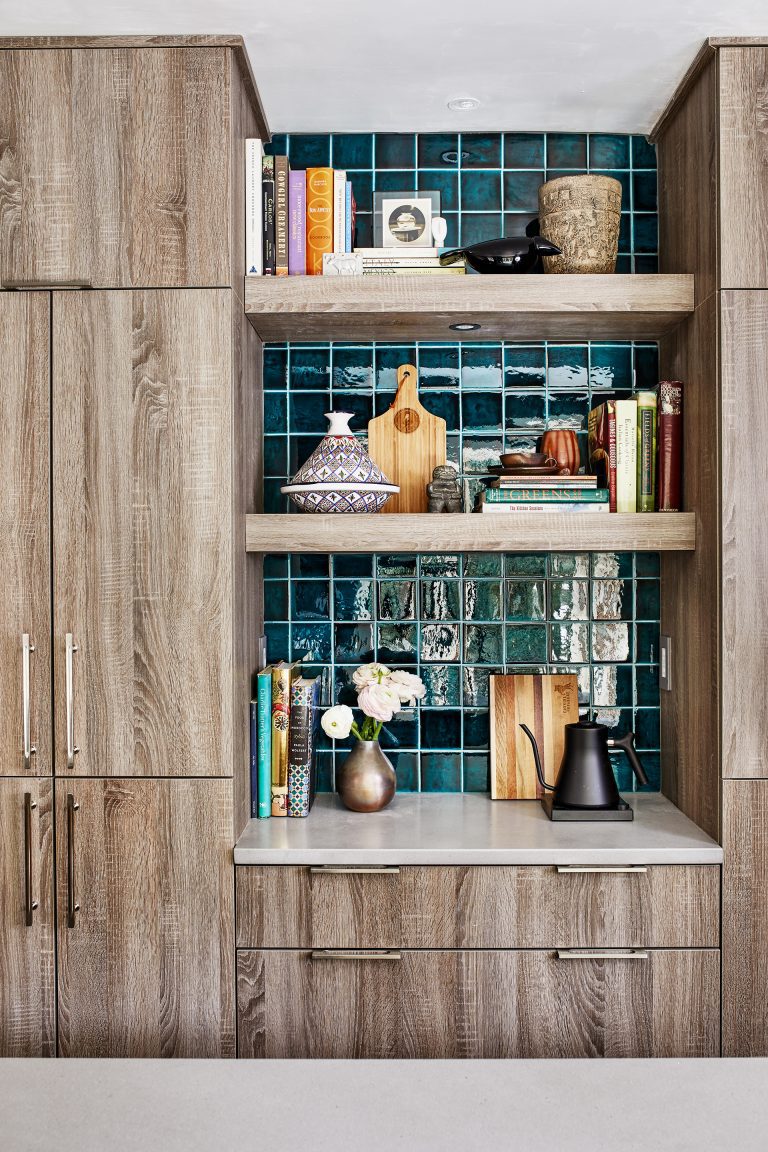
{"x":319,"y":218}
{"x":301,"y":748}
{"x":545,"y":495}
{"x":268,"y":190}
{"x":254,"y":725}
{"x":454,"y":270}
{"x":626,"y":455}
{"x":297,"y":223}
{"x":264,"y":768}
{"x":601,"y":427}
{"x":646,"y":451}
{"x":571,"y":506}
{"x":254,"y":252}
{"x":348,"y":216}
{"x":281,"y":215}
{"x":670,"y":446}
{"x":281,"y":711}
{"x":339,"y":211}
{"x":612,"y":482}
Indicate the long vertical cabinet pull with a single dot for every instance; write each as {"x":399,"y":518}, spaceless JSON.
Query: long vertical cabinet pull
{"x":72,"y":750}
{"x":29,"y":749}
{"x":72,"y":905}
{"x":29,"y":904}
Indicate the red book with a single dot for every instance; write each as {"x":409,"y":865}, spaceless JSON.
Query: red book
{"x":602,"y":448}
{"x":670,"y":446}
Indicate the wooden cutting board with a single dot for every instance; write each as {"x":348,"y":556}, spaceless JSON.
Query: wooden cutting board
{"x":546,"y":704}
{"x":407,"y":442}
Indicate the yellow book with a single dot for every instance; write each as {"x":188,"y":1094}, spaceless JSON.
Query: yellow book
{"x":283,"y":676}
{"x":319,"y":218}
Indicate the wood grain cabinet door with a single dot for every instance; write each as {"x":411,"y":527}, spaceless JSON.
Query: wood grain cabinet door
{"x":145,"y":918}
{"x":114,"y":167}
{"x":481,"y":1004}
{"x":142,"y":415}
{"x":27,"y":1013}
{"x":25,"y":597}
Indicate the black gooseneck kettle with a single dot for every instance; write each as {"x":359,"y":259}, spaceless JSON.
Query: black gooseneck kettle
{"x":585,"y":779}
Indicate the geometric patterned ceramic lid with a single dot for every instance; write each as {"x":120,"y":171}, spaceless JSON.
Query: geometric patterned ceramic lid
{"x":339,"y":458}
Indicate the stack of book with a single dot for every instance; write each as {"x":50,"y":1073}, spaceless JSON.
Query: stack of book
{"x":284,"y":719}
{"x":635,"y":449}
{"x":411,"y":262}
{"x":510,"y":493}
{"x":293,"y":218}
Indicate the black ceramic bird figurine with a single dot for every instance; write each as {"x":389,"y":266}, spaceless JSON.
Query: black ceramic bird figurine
{"x":509,"y":254}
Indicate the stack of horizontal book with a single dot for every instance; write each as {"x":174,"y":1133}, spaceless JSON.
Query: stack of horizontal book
{"x":509,"y":493}
{"x":413,"y":262}
{"x":284,"y":718}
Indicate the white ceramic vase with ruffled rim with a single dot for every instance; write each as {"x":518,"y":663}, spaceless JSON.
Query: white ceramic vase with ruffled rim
{"x":339,"y":476}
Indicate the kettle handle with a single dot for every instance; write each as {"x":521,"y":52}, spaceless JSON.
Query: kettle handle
{"x":627,"y":744}
{"x":539,"y":773}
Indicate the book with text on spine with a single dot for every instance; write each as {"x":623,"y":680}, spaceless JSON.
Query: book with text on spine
{"x":268,"y":214}
{"x":646,"y":451}
{"x":319,"y":218}
{"x":602,"y":447}
{"x":281,"y":215}
{"x":626,"y":455}
{"x":264,"y":743}
{"x":297,"y":223}
{"x":543,"y":507}
{"x":670,"y":446}
{"x":305,"y":701}
{"x":254,"y":248}
{"x":545,"y":495}
{"x":339,"y":211}
{"x":283,"y":676}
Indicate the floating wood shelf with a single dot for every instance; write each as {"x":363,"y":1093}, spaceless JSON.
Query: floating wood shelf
{"x":469,"y":532}
{"x":506,"y":307}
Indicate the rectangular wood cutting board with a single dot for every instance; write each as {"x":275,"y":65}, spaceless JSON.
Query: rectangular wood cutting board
{"x":546,"y":704}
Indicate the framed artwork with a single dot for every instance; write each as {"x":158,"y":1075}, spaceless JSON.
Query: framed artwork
{"x":404,"y":219}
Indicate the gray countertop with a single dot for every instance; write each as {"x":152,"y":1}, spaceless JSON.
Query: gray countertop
{"x":383,"y":1106}
{"x":456,"y":828}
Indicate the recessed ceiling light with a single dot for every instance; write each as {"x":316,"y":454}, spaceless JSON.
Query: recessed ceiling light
{"x":464,"y":327}
{"x":463,"y":104}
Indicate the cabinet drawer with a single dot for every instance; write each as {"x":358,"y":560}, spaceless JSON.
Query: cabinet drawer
{"x":665,"y":906}
{"x":482,"y":1004}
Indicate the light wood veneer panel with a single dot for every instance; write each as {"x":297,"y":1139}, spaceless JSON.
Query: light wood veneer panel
{"x":478,"y":907}
{"x":481,"y":1004}
{"x":743,"y":167}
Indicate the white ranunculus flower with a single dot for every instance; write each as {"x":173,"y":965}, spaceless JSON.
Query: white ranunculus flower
{"x":369,"y":674}
{"x":409,"y":688}
{"x":337,"y":722}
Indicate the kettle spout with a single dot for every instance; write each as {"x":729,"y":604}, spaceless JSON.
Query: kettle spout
{"x":537,"y":761}
{"x":545,"y":247}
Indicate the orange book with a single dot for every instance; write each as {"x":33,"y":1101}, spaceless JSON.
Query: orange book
{"x":319,"y":218}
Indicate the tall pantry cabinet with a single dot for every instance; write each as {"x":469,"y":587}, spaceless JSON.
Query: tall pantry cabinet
{"x":126,"y":599}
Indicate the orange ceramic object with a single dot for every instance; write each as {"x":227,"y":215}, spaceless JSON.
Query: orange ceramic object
{"x":561,"y":443}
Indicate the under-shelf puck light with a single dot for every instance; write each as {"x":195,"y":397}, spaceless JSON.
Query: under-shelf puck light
{"x":464,"y":327}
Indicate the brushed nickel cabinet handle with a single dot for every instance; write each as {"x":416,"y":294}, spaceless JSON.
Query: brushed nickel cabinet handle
{"x":72,"y":905}
{"x":29,"y":749}
{"x":602,"y":954}
{"x":29,"y":904}
{"x":352,"y":954}
{"x":567,"y":869}
{"x":361,"y":870}
{"x":70,"y":649}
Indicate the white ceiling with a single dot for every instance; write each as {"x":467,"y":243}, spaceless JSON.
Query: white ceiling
{"x":365,"y":65}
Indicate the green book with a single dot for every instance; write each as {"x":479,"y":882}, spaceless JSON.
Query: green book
{"x":264,"y":743}
{"x":544,"y":495}
{"x":646,"y":451}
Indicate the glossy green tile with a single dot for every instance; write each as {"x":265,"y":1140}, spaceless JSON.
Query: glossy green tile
{"x":483,"y":600}
{"x":397,"y":600}
{"x":526,"y":644}
{"x":443,"y":685}
{"x":566,"y":150}
{"x":525,"y":564}
{"x":643,"y":153}
{"x":612,"y":686}
{"x":610,"y":366}
{"x":397,"y":643}
{"x":608,"y":151}
{"x":352,"y":150}
{"x":308,"y":566}
{"x":525,"y":367}
{"x":446,"y":183}
{"x":567,"y":366}
{"x":481,"y":412}
{"x":476,"y":227}
{"x":526,"y":411}
{"x":481,"y":192}
{"x":275,"y":372}
{"x":524,"y":150}
{"x":352,"y":368}
{"x":483,"y":564}
{"x":611,"y":600}
{"x":484,"y":643}
{"x":480,"y":150}
{"x":477,"y":772}
{"x":570,"y":642}
{"x":440,"y":600}
{"x":440,"y":772}
{"x":354,"y":642}
{"x":432,"y":149}
{"x":352,"y":566}
{"x":311,"y":641}
{"x":396,"y":566}
{"x":611,"y":642}
{"x":568,"y":410}
{"x":476,"y":685}
{"x":526,"y":600}
{"x":647,"y":728}
{"x":406,"y":765}
{"x":309,"y":151}
{"x":353,"y":599}
{"x":440,"y":642}
{"x":276,"y":456}
{"x":396,"y":150}
{"x":574,"y":564}
{"x":647,"y":643}
{"x":439,"y":367}
{"x":476,"y":728}
{"x":440,"y":728}
{"x":276,"y":599}
{"x":521,"y":191}
{"x":275,"y":567}
{"x":647,"y":600}
{"x":437,"y":564}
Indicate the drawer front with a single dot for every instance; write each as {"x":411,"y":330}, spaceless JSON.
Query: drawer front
{"x":478,"y":1004}
{"x":665,"y":906}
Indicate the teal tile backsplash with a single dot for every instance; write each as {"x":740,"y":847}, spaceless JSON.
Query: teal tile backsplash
{"x":456,"y":619}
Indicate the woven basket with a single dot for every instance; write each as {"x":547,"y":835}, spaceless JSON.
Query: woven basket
{"x":581,"y":215}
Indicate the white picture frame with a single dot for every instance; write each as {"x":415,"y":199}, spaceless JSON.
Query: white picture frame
{"x":404,"y":219}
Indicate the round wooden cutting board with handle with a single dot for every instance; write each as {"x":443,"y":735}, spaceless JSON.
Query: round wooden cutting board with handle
{"x":407,"y":442}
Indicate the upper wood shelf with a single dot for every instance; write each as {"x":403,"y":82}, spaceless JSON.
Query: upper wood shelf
{"x":470,"y":532}
{"x":506,"y":307}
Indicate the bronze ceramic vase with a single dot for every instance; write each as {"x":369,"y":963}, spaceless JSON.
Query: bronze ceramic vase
{"x":366,"y":779}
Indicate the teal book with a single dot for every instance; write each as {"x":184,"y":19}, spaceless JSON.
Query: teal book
{"x":545,"y":495}
{"x":264,"y":749}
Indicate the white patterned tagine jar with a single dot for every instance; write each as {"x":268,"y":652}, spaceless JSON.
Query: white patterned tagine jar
{"x":340,"y":475}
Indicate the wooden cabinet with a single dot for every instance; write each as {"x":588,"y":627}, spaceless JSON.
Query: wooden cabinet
{"x":477,"y":907}
{"x":25,"y":615}
{"x":142,"y":497}
{"x":484,"y":1004}
{"x":115,"y":166}
{"x":145,"y":918}
{"x":743,"y":191}
{"x":27,"y":1005}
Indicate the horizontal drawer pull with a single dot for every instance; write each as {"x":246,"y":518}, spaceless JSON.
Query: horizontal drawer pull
{"x":602,"y":954}
{"x":352,"y":954}
{"x":362,"y":870}
{"x":587,"y":868}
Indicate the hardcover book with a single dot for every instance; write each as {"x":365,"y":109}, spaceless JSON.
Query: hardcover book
{"x":281,"y":215}
{"x":254,"y":248}
{"x":646,"y":451}
{"x":545,"y":495}
{"x":264,"y":743}
{"x":268,"y":192}
{"x":670,"y":446}
{"x":254,"y":729}
{"x":305,"y":700}
{"x":339,"y":211}
{"x":602,"y":448}
{"x":297,"y":223}
{"x":319,"y":218}
{"x":626,"y":455}
{"x":283,"y":676}
{"x":510,"y":508}
{"x":348,"y":225}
